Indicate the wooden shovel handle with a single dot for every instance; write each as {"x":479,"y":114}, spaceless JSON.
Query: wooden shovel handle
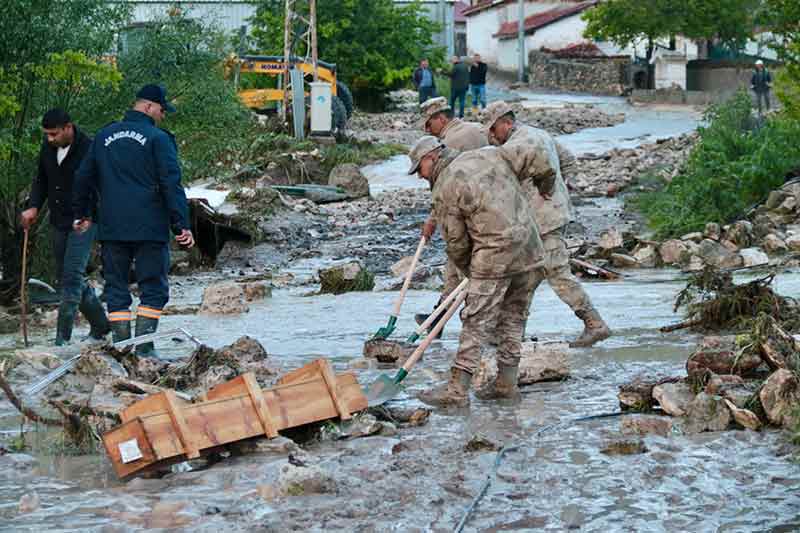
{"x":407,"y":282}
{"x":412,"y":360}
{"x":23,"y":293}
{"x":442,"y":306}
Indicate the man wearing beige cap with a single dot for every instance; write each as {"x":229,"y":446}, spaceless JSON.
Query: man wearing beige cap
{"x":456,"y":134}
{"x":535,"y":158}
{"x":490,"y":234}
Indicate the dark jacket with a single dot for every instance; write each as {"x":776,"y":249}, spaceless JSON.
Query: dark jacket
{"x":761,"y":80}
{"x":134,"y":166}
{"x":477,"y":74}
{"x":459,"y":77}
{"x":54,"y":183}
{"x":417,"y":78}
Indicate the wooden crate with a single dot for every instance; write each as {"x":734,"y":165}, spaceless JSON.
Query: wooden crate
{"x":163,"y":429}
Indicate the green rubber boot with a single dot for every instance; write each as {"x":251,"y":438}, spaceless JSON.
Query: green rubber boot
{"x":120,"y":330}
{"x":145,"y":326}
{"x":65,"y":322}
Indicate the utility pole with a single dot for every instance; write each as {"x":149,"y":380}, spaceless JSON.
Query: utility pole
{"x":287,"y":53}
{"x":312,"y":28}
{"x":521,"y":41}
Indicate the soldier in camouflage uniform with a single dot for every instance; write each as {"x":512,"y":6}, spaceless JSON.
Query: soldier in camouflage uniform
{"x":457,"y":134}
{"x":537,"y":159}
{"x":490,"y":233}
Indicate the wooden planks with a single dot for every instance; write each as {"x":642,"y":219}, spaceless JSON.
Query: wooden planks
{"x":235,"y":410}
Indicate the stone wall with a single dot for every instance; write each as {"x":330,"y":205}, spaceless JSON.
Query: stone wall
{"x":598,"y":75}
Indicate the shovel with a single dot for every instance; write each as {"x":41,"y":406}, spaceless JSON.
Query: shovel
{"x":388,"y":329}
{"x":414,"y":337}
{"x":385,"y":388}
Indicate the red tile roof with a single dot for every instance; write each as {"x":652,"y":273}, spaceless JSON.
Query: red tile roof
{"x":482,"y":5}
{"x":586,"y":49}
{"x":508,"y":30}
{"x":458,"y":11}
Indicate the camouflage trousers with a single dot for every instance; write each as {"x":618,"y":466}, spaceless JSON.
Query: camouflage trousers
{"x":452,"y":277}
{"x":495,"y":311}
{"x":559,"y":275}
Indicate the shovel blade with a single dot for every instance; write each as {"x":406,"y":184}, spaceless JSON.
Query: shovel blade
{"x":382,"y":390}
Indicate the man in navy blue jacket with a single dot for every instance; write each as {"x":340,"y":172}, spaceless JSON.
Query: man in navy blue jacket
{"x":134,"y":167}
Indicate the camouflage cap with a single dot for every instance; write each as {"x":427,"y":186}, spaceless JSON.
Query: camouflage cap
{"x":424,"y":146}
{"x":430,"y":107}
{"x":494,"y":111}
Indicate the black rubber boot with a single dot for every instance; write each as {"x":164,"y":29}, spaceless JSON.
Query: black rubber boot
{"x":120,"y":330}
{"x":420,"y":319}
{"x":93,"y":310}
{"x":65,"y":322}
{"x":145,"y":326}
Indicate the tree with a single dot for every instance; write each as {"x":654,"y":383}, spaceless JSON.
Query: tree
{"x":43,"y":41}
{"x":781,"y":17}
{"x":376,"y":44}
{"x":630,"y":22}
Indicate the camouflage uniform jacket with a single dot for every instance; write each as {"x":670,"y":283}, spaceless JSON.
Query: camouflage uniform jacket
{"x":487,"y":223}
{"x":533,"y":154}
{"x":463,"y":136}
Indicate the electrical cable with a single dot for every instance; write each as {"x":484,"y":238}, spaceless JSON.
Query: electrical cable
{"x":513,"y":447}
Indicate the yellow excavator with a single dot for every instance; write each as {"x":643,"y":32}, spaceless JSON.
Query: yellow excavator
{"x":341,"y":103}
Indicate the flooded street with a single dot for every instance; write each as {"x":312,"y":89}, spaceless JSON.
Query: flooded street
{"x":561,"y":475}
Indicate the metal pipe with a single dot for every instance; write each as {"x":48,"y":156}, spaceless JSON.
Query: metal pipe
{"x":521,"y":41}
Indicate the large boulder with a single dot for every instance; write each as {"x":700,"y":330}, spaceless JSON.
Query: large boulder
{"x":753,"y":257}
{"x":303,"y":480}
{"x":344,"y":277}
{"x":744,"y":417}
{"x":721,"y":355}
{"x":774,"y":244}
{"x":674,"y":398}
{"x":348,"y":176}
{"x":672,"y":251}
{"x":646,"y":255}
{"x":740,"y":233}
{"x":715,"y":254}
{"x":780,"y":397}
{"x":707,"y":413}
{"x":224,"y":298}
{"x":538,"y":362}
{"x":647,"y":425}
{"x":610,"y":239}
{"x":793,"y":242}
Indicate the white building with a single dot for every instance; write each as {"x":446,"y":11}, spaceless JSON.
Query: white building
{"x":229,"y":15}
{"x":492,"y":27}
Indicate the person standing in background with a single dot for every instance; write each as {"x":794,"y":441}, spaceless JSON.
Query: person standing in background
{"x":459,"y":83}
{"x":477,"y":81}
{"x":760,"y":83}
{"x":424,"y":81}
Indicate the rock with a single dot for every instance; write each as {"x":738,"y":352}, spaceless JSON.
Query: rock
{"x":717,"y":384}
{"x":623,"y":261}
{"x":638,"y":394}
{"x":386,"y":351}
{"x":720,"y":355}
{"x":673,"y":397}
{"x":646,"y":255}
{"x":793,"y":242}
{"x":8,"y":323}
{"x":774,"y":244}
{"x":672,"y":251}
{"x":694,"y":237}
{"x":745,"y":418}
{"x":257,"y":290}
{"x":400,"y":268}
{"x":740,"y":233}
{"x":780,"y":398}
{"x":224,"y":298}
{"x":302,"y":480}
{"x":647,"y":425}
{"x":481,"y":443}
{"x":694,"y":264}
{"x":713,"y":253}
{"x":362,"y":425}
{"x":775,"y":199}
{"x":348,"y":176}
{"x":279,"y":445}
{"x":753,"y":257}
{"x":741,"y":396}
{"x":789,"y":205}
{"x":729,"y":245}
{"x":624,"y":447}
{"x":611,"y":239}
{"x":28,"y":503}
{"x":345,"y":277}
{"x":707,"y":413}
{"x":538,"y":362}
{"x":712,"y":231}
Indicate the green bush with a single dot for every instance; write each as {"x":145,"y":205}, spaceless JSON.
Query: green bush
{"x":735,"y":165}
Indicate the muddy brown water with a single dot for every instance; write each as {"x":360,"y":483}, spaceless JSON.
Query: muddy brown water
{"x":422,"y":479}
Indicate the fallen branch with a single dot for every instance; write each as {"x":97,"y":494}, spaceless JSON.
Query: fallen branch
{"x":27,"y":412}
{"x":680,"y":325}
{"x":594,"y":270}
